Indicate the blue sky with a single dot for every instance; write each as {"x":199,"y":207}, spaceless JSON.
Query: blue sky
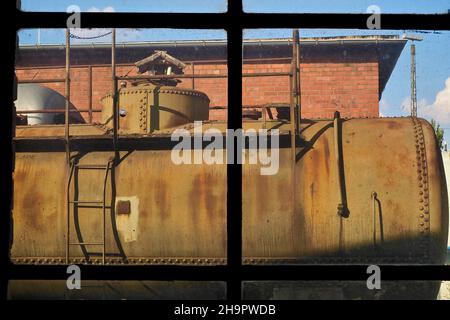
{"x":129,"y":5}
{"x":332,"y":6}
{"x":347,"y":6}
{"x":433,"y":63}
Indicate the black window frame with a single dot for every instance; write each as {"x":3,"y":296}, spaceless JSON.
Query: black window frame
{"x":234,"y":21}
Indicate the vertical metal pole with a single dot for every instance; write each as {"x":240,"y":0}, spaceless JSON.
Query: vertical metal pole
{"x":293,"y":85}
{"x":115,"y":97}
{"x":193,"y":72}
{"x":297,"y":79}
{"x":264,"y":110}
{"x":67,"y":106}
{"x":294,"y":102}
{"x":293,"y":95}
{"x":413,"y":81}
{"x":292,"y":112}
{"x":67,"y":134}
{"x":90,"y":94}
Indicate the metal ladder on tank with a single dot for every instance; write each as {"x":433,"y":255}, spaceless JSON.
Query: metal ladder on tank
{"x":74,"y":168}
{"x":99,"y":204}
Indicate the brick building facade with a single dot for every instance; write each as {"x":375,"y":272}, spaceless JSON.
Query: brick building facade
{"x":344,"y":73}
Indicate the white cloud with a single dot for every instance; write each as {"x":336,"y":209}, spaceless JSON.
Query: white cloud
{"x":439,"y":110}
{"x":384,"y":108}
{"x":106,"y":9}
{"x":406,"y":105}
{"x":384,"y":105}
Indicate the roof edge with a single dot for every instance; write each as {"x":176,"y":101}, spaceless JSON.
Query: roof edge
{"x":221,"y":42}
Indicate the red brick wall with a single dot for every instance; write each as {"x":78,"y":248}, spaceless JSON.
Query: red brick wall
{"x":350,"y":87}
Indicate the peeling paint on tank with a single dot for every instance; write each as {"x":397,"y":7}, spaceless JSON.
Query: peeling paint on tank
{"x":128,"y":224}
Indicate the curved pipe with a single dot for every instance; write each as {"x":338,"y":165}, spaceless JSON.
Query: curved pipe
{"x":342,"y":206}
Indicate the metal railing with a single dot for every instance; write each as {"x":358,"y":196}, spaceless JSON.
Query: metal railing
{"x":91,"y":110}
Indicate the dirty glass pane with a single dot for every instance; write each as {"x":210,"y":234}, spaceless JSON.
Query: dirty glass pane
{"x":153,"y":197}
{"x":196,"y":6}
{"x":345,"y":290}
{"x":359,"y":181}
{"x":347,"y":6}
{"x":116,"y":290}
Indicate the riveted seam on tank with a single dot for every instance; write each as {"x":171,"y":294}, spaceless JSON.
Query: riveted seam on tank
{"x":424,"y":221}
{"x":120,"y":261}
{"x":205,"y":261}
{"x":143,"y":113}
{"x":325,"y":260}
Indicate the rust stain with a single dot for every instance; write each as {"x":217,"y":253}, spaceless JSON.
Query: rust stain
{"x":161,"y":199}
{"x":393,"y":125}
{"x":326,"y":155}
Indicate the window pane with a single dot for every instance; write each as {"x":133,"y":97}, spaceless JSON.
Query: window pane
{"x":346,"y":6}
{"x":196,"y":6}
{"x":162,"y":207}
{"x":334,"y":196}
{"x":345,"y":290}
{"x":116,"y":290}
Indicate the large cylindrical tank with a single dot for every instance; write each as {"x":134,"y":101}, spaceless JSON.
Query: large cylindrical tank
{"x":31,"y":96}
{"x":176,"y":214}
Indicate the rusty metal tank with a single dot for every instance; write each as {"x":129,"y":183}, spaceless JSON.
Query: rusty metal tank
{"x":161,"y":213}
{"x":176,"y":214}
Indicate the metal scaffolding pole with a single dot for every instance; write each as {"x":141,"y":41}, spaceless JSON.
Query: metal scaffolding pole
{"x":293,"y":108}
{"x":413,"y":81}
{"x":67,"y":105}
{"x":296,"y":57}
{"x":67,"y":140}
{"x":413,"y":38}
{"x":115,"y":96}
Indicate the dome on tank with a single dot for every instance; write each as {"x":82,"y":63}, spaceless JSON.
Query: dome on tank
{"x":31,"y":96}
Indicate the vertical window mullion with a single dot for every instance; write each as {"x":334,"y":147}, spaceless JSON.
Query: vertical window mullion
{"x":234,"y":171}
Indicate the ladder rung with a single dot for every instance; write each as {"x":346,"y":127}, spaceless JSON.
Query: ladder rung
{"x":92,"y":206}
{"x":91,"y":166}
{"x":84,"y":202}
{"x":86,"y":243}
